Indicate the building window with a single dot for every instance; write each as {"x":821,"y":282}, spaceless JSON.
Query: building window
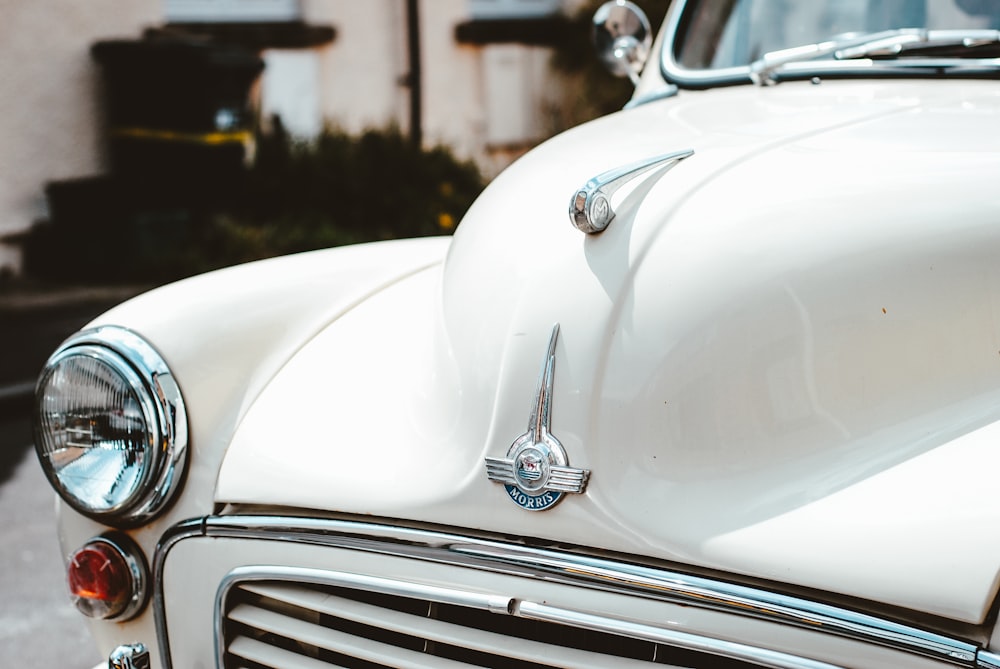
{"x":232,"y":11}
{"x":534,"y":22}
{"x":487,"y":10}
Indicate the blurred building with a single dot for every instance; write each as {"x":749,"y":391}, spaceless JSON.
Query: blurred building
{"x":470,"y":74}
{"x":485,"y":78}
{"x":49,"y":106}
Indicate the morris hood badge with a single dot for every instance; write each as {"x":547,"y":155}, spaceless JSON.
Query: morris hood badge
{"x":536,"y":471}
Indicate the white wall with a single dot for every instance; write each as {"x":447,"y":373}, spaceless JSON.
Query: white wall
{"x":454,"y":102}
{"x":485,"y":103}
{"x":49,"y":127}
{"x":360,"y":71}
{"x":290,"y":88}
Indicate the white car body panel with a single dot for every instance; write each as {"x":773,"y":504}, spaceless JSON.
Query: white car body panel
{"x":701,"y":296}
{"x":779,"y":366}
{"x":271,"y":309}
{"x":270,"y":312}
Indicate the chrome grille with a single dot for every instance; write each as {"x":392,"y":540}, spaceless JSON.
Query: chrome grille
{"x":274,"y":624}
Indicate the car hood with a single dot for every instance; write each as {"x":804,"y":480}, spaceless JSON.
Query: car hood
{"x":781,"y":360}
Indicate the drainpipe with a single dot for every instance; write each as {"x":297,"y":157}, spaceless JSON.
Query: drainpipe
{"x":413,"y":78}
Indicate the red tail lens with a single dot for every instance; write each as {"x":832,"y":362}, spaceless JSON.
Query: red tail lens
{"x":104,"y":580}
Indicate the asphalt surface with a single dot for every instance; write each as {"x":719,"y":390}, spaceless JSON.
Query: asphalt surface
{"x":34,"y":320}
{"x":38,"y":624}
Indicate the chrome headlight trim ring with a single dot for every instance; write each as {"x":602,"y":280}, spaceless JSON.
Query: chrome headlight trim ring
{"x":162,"y":405}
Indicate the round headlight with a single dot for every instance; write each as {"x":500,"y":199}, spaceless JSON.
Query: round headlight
{"x":110,"y":426}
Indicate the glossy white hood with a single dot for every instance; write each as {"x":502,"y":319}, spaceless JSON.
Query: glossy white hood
{"x":781,"y":360}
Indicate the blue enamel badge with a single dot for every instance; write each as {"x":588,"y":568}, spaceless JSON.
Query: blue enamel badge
{"x":536,"y":471}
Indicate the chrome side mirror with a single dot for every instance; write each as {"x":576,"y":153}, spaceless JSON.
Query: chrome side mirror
{"x":623,"y":37}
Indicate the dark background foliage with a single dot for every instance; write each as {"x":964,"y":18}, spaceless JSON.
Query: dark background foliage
{"x":170,"y":209}
{"x":295,"y":196}
{"x":341,"y":189}
{"x":596,"y":92}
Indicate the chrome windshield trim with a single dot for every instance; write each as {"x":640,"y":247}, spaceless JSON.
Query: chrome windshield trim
{"x":675,"y":73}
{"x":863,"y":67}
{"x":570,"y":569}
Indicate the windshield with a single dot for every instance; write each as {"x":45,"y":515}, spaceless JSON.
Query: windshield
{"x":720,"y":34}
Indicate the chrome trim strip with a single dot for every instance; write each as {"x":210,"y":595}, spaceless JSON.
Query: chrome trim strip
{"x":384,"y":586}
{"x":695,"y":642}
{"x":566,"y":568}
{"x":505,"y":606}
{"x":194,"y":527}
{"x":731,"y":598}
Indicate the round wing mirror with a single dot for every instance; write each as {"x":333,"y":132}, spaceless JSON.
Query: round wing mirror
{"x":623,"y":37}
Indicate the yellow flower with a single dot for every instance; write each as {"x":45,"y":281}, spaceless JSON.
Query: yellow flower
{"x":445,"y":221}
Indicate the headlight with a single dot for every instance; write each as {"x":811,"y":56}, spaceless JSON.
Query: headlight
{"x":110,"y":426}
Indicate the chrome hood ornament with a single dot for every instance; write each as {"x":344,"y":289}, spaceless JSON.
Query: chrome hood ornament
{"x":536,"y":471}
{"x":590,"y":207}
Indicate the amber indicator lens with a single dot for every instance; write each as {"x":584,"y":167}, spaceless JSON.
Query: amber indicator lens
{"x":100,"y":580}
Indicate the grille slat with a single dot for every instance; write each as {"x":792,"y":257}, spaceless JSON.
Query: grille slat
{"x":266,"y":655}
{"x":310,"y":634}
{"x":343,"y":620}
{"x":437,"y":630}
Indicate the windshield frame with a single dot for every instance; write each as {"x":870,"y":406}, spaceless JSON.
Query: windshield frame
{"x":679,"y":17}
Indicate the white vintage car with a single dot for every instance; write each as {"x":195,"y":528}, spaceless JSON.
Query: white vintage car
{"x":710,"y":382}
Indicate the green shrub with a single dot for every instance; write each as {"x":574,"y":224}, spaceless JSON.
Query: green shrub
{"x":342,"y":189}
{"x":297,"y":196}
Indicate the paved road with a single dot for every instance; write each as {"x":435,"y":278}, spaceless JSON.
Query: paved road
{"x":39,"y":627}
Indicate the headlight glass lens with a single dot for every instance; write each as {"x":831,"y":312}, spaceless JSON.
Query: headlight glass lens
{"x":110,"y":426}
{"x":97,"y":438}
